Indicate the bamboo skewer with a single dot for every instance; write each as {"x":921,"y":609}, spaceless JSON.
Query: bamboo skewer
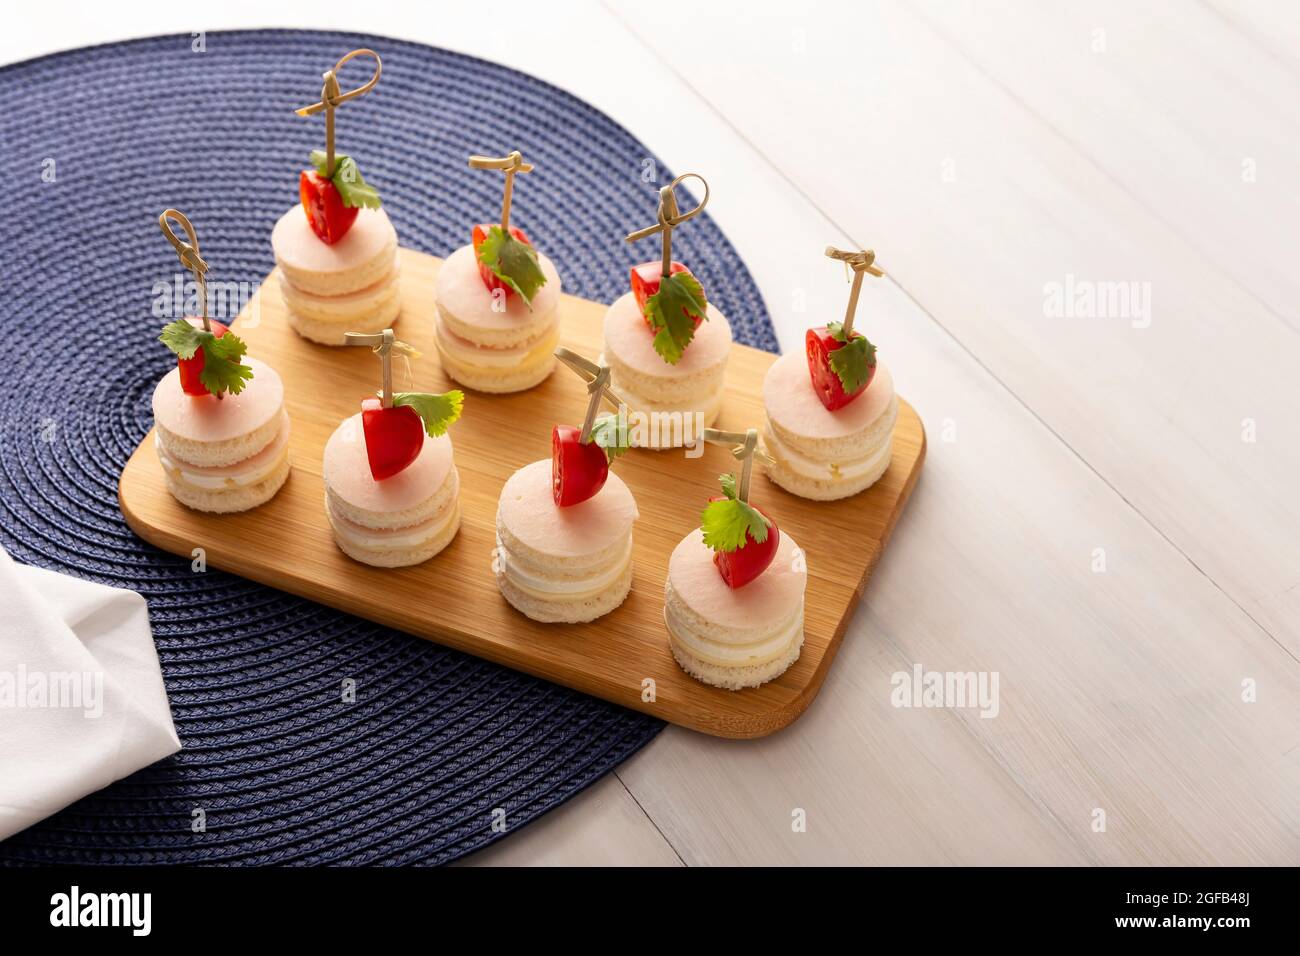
{"x":331,"y":97}
{"x":595,"y":392}
{"x":597,"y":379}
{"x":861,"y":263}
{"x":514,"y":163}
{"x":669,"y":217}
{"x":384,"y":344}
{"x":744,"y":447}
{"x":190,"y":258}
{"x":189,"y":255}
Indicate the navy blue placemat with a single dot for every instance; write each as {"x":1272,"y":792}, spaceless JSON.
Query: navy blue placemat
{"x":96,"y":143}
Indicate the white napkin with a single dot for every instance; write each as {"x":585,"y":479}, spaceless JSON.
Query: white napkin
{"x":82,"y":701}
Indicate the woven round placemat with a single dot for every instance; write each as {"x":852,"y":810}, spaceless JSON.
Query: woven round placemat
{"x":97,"y":142}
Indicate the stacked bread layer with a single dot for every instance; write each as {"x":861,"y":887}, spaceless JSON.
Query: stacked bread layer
{"x":495,"y":343}
{"x":669,"y":405}
{"x":822,"y":454}
{"x":557,"y":564}
{"x":734,"y":637}
{"x":223,"y":455}
{"x":351,"y":286}
{"x":398,"y":521}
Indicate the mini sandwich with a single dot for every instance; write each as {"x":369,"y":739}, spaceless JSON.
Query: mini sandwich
{"x":498,"y":302}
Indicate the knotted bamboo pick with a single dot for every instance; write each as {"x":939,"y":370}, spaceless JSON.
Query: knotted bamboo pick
{"x":383,"y":344}
{"x":189,"y":255}
{"x":331,"y":97}
{"x":190,"y":259}
{"x":670,"y":217}
{"x":597,"y":379}
{"x":744,"y":449}
{"x":861,"y":263}
{"x":514,"y":163}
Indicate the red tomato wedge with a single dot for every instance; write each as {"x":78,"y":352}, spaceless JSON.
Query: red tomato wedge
{"x":645,"y":283}
{"x":394,"y":437}
{"x":751,"y":559}
{"x":192,"y":368}
{"x":578,"y":469}
{"x":819,"y":344}
{"x":326,"y":214}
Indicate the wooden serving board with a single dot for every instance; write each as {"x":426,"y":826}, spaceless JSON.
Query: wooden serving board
{"x":453,"y":599}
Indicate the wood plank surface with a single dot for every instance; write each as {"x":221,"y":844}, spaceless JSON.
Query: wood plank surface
{"x":453,"y":599}
{"x":601,"y":826}
{"x":981,"y":174}
{"x":1122,"y":690}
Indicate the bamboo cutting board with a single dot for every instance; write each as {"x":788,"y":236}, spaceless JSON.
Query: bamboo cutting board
{"x":453,"y":599}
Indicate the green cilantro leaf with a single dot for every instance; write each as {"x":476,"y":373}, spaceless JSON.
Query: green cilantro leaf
{"x":438,"y":412}
{"x":182,"y":338}
{"x":611,"y":435}
{"x":513,"y":262}
{"x":852,"y":363}
{"x":353,"y":190}
{"x":222,"y":369}
{"x":725,"y":522}
{"x":672,"y":312}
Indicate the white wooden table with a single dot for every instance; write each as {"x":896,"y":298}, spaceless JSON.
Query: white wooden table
{"x":1108,"y":516}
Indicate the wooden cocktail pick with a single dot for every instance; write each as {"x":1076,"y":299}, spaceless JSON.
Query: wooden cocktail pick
{"x":597,"y":379}
{"x":514,"y":163}
{"x":861,"y":263}
{"x":190,"y":259}
{"x":670,"y":217}
{"x":384,"y":344}
{"x":744,"y":447}
{"x":331,"y":97}
{"x":189,"y":255}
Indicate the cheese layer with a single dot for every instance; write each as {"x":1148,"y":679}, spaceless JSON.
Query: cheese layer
{"x":241,"y":474}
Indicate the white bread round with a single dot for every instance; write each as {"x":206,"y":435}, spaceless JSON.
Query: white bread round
{"x":466,"y":304}
{"x":843,"y":448}
{"x":735,"y":678}
{"x":827,"y":469}
{"x":799,"y":419}
{"x":561,"y":609}
{"x":827,"y":489}
{"x":357,"y":261}
{"x":411,"y":497}
{"x":559,"y":566}
{"x":568,"y":564}
{"x":383,"y":296}
{"x":629,"y":350}
{"x":212,"y":433}
{"x":228,"y":501}
{"x":247,"y":471}
{"x":335,"y":333}
{"x":381,"y":556}
{"x":687,"y":391}
{"x":537,"y":363}
{"x":734,"y":637}
{"x":222,"y":453}
{"x":448,"y":491}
